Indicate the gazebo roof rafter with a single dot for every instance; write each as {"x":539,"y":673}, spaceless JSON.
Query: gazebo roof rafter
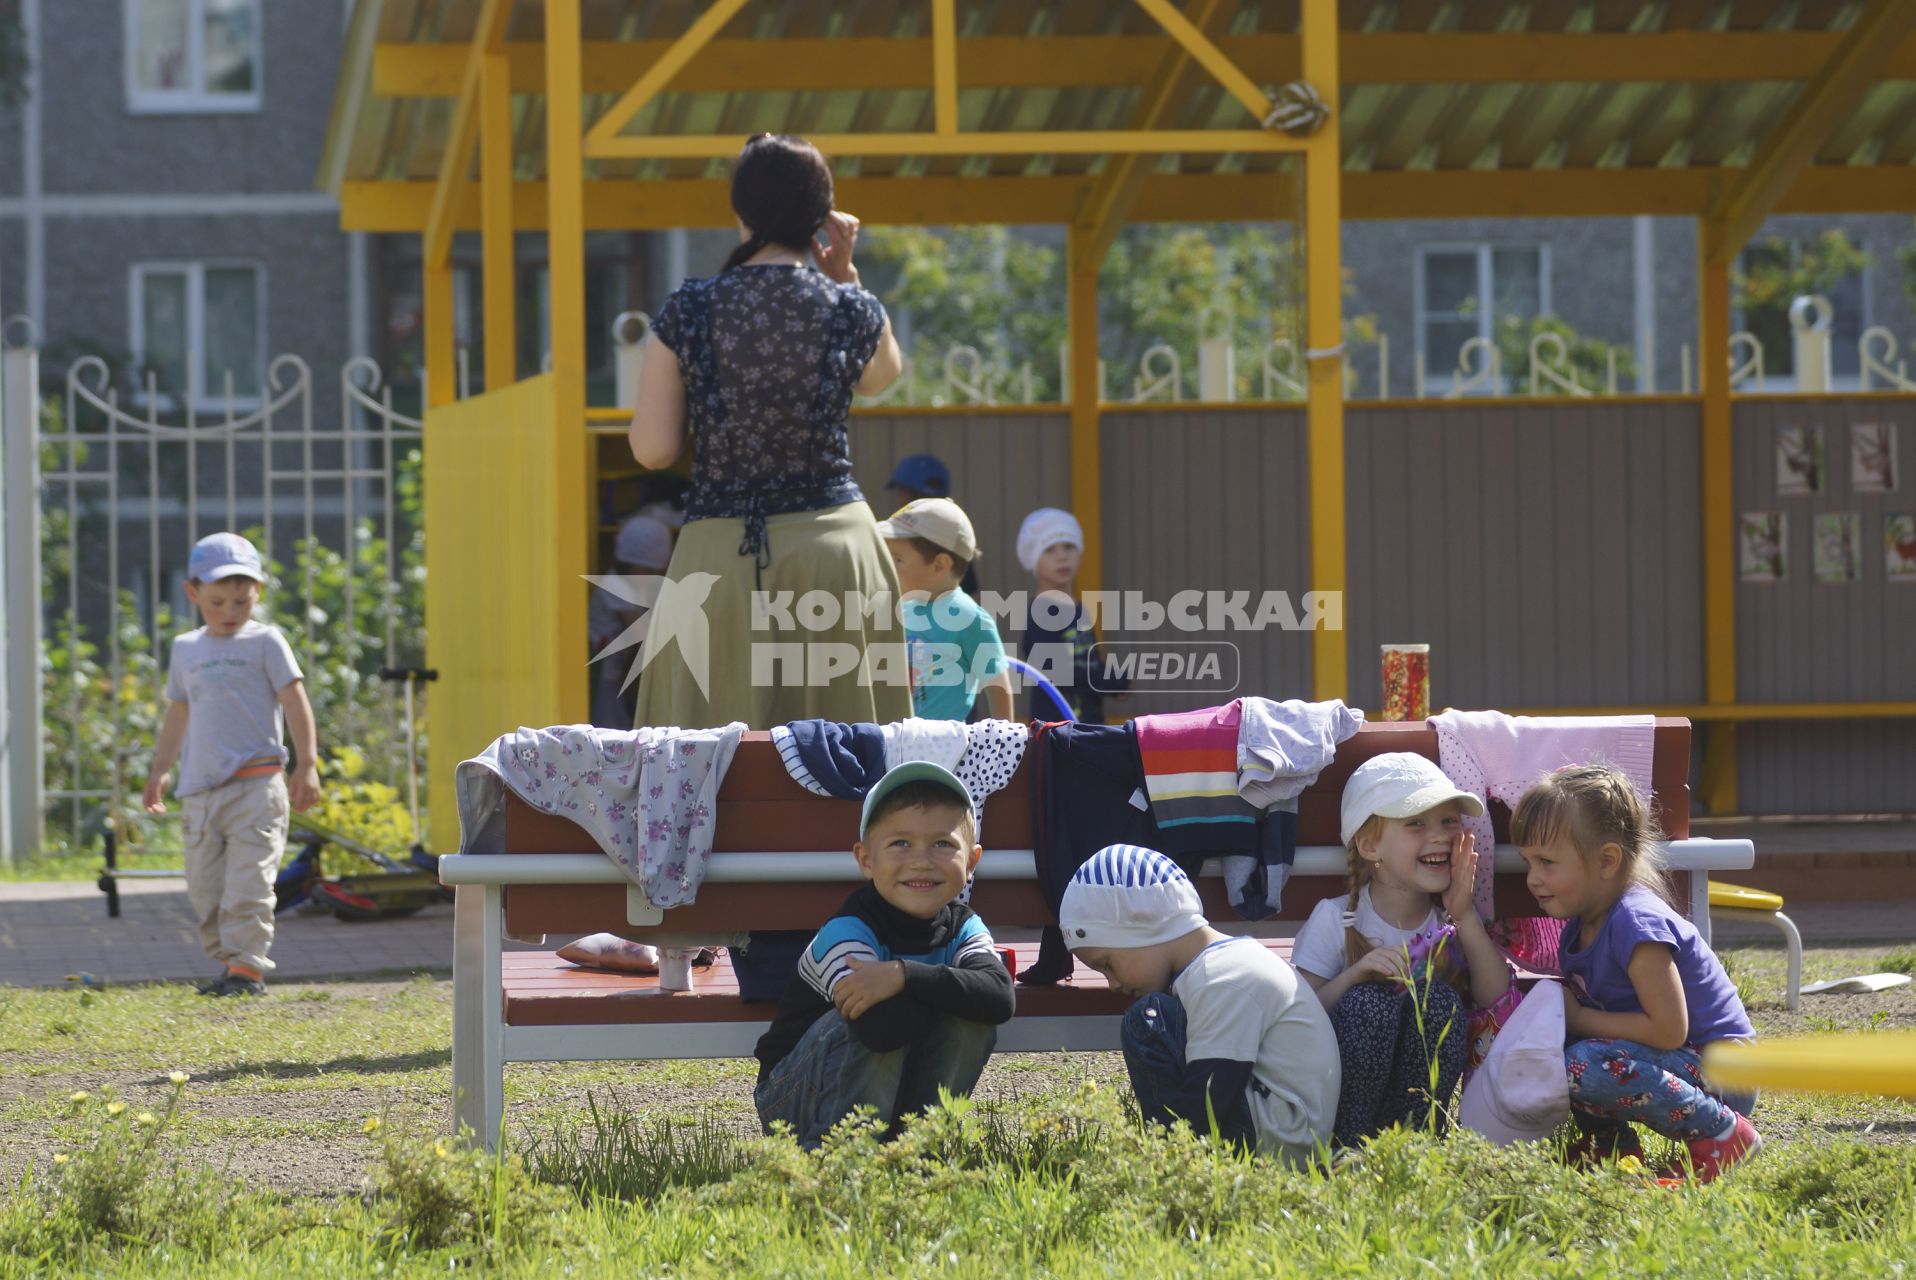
{"x":1511,"y":109}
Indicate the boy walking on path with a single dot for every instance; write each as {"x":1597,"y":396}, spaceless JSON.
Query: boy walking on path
{"x":228,"y":683}
{"x":954,"y":644}
{"x":902,"y":992}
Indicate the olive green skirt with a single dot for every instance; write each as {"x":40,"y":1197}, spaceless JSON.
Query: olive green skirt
{"x":784,"y":661}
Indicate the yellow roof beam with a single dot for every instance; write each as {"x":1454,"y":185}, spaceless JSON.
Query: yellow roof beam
{"x":629,"y":205}
{"x":455,"y":163}
{"x":1031,"y":62}
{"x":1815,"y":114}
{"x":1115,"y":192}
{"x":659,"y":74}
{"x":944,"y":65}
{"x":1095,"y":142}
{"x":1193,"y":41}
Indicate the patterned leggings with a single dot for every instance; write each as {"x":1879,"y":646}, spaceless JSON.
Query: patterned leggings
{"x":1387,"y":1058}
{"x":1614,"y":1083}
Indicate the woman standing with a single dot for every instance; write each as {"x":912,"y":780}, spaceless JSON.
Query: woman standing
{"x":758,"y":365}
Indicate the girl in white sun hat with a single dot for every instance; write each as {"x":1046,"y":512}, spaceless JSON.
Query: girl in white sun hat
{"x":1402,"y":959}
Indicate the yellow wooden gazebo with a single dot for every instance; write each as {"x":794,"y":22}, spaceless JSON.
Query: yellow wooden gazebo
{"x":565,"y":116}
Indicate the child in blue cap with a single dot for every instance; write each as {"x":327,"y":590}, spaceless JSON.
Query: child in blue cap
{"x":228,"y":686}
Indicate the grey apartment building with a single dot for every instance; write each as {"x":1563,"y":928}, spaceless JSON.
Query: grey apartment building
{"x":156,"y":192}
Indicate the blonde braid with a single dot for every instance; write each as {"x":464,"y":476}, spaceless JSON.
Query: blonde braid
{"x":1356,"y":945}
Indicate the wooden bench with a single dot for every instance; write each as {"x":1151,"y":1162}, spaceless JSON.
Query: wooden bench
{"x":782,"y":860}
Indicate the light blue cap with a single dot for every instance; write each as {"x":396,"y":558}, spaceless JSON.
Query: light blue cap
{"x":224,"y":555}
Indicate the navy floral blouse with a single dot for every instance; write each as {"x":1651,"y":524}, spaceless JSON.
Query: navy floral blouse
{"x":769,"y":355}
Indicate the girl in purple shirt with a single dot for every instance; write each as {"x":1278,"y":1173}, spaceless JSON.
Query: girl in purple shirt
{"x":1643,"y":992}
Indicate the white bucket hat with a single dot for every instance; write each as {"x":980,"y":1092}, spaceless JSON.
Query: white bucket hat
{"x":1522,"y":1091}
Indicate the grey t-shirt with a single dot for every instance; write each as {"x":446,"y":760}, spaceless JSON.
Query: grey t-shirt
{"x":1244,"y":1004}
{"x":231,"y":686}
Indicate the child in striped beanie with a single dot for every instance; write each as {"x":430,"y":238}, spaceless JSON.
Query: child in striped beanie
{"x":1222,"y":1034}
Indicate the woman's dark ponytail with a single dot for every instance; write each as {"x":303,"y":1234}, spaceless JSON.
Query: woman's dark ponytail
{"x":782,"y":192}
{"x":747,"y":250}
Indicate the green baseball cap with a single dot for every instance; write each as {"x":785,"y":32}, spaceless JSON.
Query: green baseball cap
{"x":911,"y":771}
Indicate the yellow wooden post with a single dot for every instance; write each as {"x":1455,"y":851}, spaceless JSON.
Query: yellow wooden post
{"x":1324,"y":282}
{"x":442,"y":375}
{"x":944,"y":62}
{"x":1719,"y":515}
{"x":495,"y":166}
{"x":565,"y":240}
{"x":1081,"y":315}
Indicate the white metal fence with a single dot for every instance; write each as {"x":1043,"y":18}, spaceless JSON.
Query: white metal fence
{"x":964,"y":375}
{"x":108,"y":487}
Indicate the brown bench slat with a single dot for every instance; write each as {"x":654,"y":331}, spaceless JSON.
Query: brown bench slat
{"x":761,"y":808}
{"x":542,"y":990}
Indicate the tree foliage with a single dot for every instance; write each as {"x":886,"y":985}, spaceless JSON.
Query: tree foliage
{"x":1003,"y":293}
{"x":1778,"y":270}
{"x":1588,"y":358}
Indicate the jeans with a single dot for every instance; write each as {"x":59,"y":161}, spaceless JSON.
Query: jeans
{"x":1614,"y":1083}
{"x":829,"y":1073}
{"x":1153,"y":1038}
{"x":1387,"y":1057}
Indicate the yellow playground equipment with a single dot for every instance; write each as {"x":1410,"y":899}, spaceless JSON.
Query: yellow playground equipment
{"x":1882,"y":1062}
{"x":1735,"y":902}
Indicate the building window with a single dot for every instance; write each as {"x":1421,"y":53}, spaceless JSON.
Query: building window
{"x":194,"y":324}
{"x":1452,"y":282}
{"x":1773,"y":274}
{"x":192,"y":55}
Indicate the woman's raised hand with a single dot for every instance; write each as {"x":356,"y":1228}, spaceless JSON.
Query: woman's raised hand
{"x":835,"y":257}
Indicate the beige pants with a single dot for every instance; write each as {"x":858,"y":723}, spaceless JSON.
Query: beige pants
{"x":235,"y":834}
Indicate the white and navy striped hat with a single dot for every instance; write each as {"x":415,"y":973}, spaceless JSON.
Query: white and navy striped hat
{"x":1127,"y":896}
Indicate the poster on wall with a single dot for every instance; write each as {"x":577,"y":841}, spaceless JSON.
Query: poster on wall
{"x":1799,"y":460}
{"x":1872,"y":457}
{"x":1762,"y":539}
{"x":1899,"y":548}
{"x":1837,"y":548}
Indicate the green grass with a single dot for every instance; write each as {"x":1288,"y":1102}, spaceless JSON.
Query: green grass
{"x":1081,"y":1190}
{"x":266,"y":1167}
{"x":82,"y":865}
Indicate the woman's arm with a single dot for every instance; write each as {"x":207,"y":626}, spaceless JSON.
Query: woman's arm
{"x":884,"y":367}
{"x":657,"y":433}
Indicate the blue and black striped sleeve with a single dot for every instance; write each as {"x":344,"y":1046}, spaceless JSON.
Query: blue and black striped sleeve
{"x":975,"y":985}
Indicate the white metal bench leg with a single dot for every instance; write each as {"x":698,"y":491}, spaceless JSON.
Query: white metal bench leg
{"x":478,"y":1013}
{"x":1794,"y":941}
{"x":1700,"y":903}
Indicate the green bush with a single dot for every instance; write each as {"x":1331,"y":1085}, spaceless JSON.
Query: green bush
{"x":431,"y":1192}
{"x":99,"y":716}
{"x":118,"y":1183}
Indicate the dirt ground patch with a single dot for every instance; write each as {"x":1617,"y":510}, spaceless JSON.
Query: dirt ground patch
{"x":282,"y":1088}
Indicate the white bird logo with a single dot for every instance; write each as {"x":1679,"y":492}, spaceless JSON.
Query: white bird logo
{"x":679,"y":610}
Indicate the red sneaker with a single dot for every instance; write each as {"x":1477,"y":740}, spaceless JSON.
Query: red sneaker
{"x":1709,"y":1157}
